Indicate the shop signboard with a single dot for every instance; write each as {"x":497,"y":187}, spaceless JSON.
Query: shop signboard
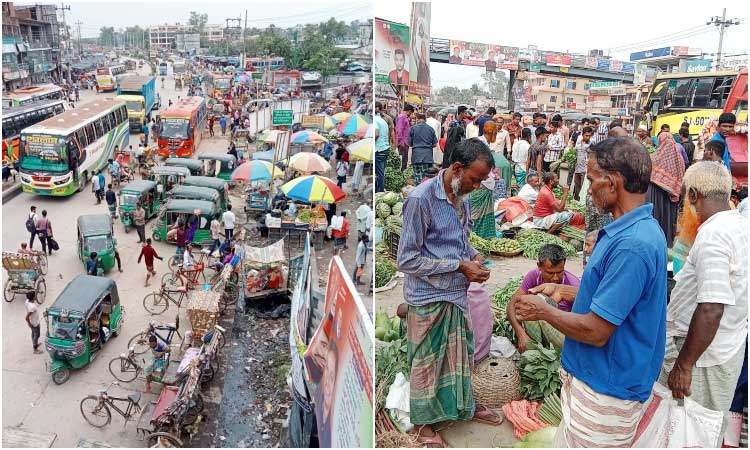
{"x":313,"y":121}
{"x":615,"y":66}
{"x":602,"y":65}
{"x":591,"y":62}
{"x":282,"y":117}
{"x":628,"y":67}
{"x":419,"y":43}
{"x":655,"y":53}
{"x":698,"y":65}
{"x":558,"y":60}
{"x":392,"y":55}
{"x":528,"y":54}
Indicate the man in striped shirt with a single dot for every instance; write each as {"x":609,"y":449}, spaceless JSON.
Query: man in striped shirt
{"x":439,"y":263}
{"x":601,"y":133}
{"x":555,"y":146}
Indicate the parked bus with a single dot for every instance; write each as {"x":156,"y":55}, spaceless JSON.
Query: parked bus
{"x":182,"y":127}
{"x":261,"y":64}
{"x":222,"y":85}
{"x":31,"y":94}
{"x":163,"y":68}
{"x":21,"y":117}
{"x":178,"y":66}
{"x":60,"y":154}
{"x":689,"y":97}
{"x":106,"y":77}
{"x":737,"y":142}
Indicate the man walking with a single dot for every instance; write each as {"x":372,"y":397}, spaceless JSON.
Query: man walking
{"x":223,"y":124}
{"x":211,"y":126}
{"x":148,"y":254}
{"x":439,"y":263}
{"x":144,"y":130}
{"x":111,"y":199}
{"x":612,"y":354}
{"x":139,"y":219}
{"x":382,"y":147}
{"x":32,"y":319}
{"x":31,"y":221}
{"x":422,"y":139}
{"x":402,"y":134}
{"x":228,"y":218}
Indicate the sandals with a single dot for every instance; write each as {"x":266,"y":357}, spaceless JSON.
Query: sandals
{"x":497,"y":421}
{"x":435,"y":441}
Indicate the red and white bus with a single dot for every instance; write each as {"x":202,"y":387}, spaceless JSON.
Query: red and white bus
{"x":106,"y":77}
{"x":182,"y":126}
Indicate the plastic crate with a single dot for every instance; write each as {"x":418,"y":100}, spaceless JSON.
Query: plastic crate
{"x":391,"y":241}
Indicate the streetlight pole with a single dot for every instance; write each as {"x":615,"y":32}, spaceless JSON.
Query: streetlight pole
{"x":722,"y":24}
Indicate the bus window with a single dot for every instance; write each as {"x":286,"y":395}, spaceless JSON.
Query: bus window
{"x":90,"y":135}
{"x":113,"y":119}
{"x":9,"y":128}
{"x":98,"y":129}
{"x":81,"y":150}
{"x":720,"y":92}
{"x":59,"y":108}
{"x":681,"y":92}
{"x":81,"y":136}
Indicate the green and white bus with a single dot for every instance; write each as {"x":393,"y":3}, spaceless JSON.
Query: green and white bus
{"x":59,"y":155}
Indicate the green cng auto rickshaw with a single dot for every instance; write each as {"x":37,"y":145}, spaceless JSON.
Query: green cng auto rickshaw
{"x":211,"y":182}
{"x":95,"y":235}
{"x":182,"y":209}
{"x":139,"y":191}
{"x":167,"y":177}
{"x":82,"y":319}
{"x":197,"y":193}
{"x":193,"y":165}
{"x":220,"y":165}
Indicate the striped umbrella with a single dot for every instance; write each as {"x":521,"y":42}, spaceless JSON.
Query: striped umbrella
{"x":256,"y":170}
{"x":313,"y":188}
{"x":309,"y":162}
{"x":329,"y":122}
{"x":269,"y":136}
{"x":342,"y":116}
{"x":362,"y":150}
{"x":307,"y":137}
{"x":353,"y":125}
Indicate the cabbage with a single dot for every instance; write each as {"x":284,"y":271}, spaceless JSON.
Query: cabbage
{"x":538,"y":439}
{"x":383,"y":210}
{"x":397,"y":208}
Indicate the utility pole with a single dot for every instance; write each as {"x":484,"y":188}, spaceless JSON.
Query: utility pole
{"x":66,"y":54}
{"x":244,"y":49}
{"x":721,"y":24}
{"x":80,"y":52}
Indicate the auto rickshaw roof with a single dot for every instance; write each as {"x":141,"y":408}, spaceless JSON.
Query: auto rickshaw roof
{"x":192,"y":164}
{"x":83,"y":294}
{"x":170,"y":170}
{"x":194,"y":192}
{"x":94,"y":224}
{"x":217,"y":157}
{"x":140,"y":186}
{"x":212,"y":182}
{"x":188,"y":206}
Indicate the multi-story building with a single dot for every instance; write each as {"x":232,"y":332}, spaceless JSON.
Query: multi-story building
{"x":187,"y":41}
{"x":557,"y":93}
{"x":213,"y":33}
{"x":163,"y":36}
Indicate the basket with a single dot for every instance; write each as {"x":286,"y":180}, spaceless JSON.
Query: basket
{"x":510,"y":234}
{"x":203,"y":311}
{"x":496,"y":382}
{"x":507,"y":254}
{"x":396,"y":439}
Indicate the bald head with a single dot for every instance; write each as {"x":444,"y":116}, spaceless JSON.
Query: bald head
{"x":617,"y":132}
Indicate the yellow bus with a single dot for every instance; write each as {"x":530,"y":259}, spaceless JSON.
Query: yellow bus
{"x":106,"y":77}
{"x":694,"y":98}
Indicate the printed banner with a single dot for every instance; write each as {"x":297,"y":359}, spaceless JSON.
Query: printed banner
{"x":391,"y":52}
{"x":603,"y":65}
{"x":592,"y":62}
{"x":628,"y":67}
{"x":339,"y":363}
{"x":491,"y":57}
{"x":419,"y":63}
{"x":528,"y":54}
{"x":558,"y":60}
{"x":299,"y":314}
{"x":615,"y":66}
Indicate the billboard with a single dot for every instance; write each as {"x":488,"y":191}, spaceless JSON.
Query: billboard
{"x":391,"y":52}
{"x":615,"y":66}
{"x":698,"y":65}
{"x":528,"y":54}
{"x":655,"y":53}
{"x":419,"y":41}
{"x":558,"y":60}
{"x":491,"y":57}
{"x":591,"y":62}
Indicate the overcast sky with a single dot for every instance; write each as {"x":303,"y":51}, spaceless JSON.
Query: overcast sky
{"x":95,"y":15}
{"x":621,"y":27}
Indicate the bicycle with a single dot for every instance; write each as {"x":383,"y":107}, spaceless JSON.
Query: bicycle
{"x":175,"y":261}
{"x":139,"y":342}
{"x":158,"y":302}
{"x":126,"y":367}
{"x":95,"y":409}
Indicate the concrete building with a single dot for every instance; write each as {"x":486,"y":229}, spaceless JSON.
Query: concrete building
{"x":164,"y":36}
{"x":213,"y":33}
{"x":187,"y":41}
{"x":31,"y":45}
{"x":557,"y":93}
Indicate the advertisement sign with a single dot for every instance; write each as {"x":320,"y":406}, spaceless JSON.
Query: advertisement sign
{"x":528,"y":54}
{"x":655,"y":53}
{"x":603,"y":65}
{"x":591,"y":62}
{"x":419,"y":42}
{"x":491,"y":57}
{"x":282,"y":117}
{"x":391,"y":52}
{"x":558,"y":60}
{"x":698,"y":65}
{"x":313,"y":121}
{"x":339,"y":364}
{"x":299,"y":313}
{"x":628,"y":67}
{"x":615,"y":66}
{"x":639,"y":74}
{"x":604,"y":84}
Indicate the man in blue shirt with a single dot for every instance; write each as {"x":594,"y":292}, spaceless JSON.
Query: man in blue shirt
{"x":616,"y":331}
{"x":485,"y":118}
{"x":382,"y":147}
{"x":726,"y":128}
{"x":144,"y":130}
{"x":91,"y":264}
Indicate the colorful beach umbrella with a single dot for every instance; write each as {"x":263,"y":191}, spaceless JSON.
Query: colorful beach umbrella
{"x":342,"y":116}
{"x":307,"y":137}
{"x":256,"y":170}
{"x":362,"y":150}
{"x":269,"y":136}
{"x":353,"y":125}
{"x":309,"y":162}
{"x":329,"y":122}
{"x":313,"y":188}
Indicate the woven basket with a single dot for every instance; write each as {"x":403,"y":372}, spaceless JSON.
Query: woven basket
{"x":396,"y":439}
{"x":495,"y":382}
{"x":507,"y":254}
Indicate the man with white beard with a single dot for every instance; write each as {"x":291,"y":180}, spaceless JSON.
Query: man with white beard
{"x":439,"y":263}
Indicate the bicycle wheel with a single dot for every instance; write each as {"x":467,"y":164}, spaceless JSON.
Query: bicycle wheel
{"x":123,"y":369}
{"x":139,"y":343}
{"x":155,"y":303}
{"x":8,"y":294}
{"x":173,"y":263}
{"x":163,"y":440}
{"x":43,"y":264}
{"x":172,"y":280}
{"x":96,"y":413}
{"x":41,"y":290}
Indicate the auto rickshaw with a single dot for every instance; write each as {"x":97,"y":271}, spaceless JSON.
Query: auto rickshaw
{"x":95,"y":235}
{"x":214,"y":183}
{"x":139,"y":191}
{"x":81,"y":321}
{"x":181,"y":208}
{"x":220,"y":165}
{"x":167,"y":177}
{"x":197,"y":193}
{"x":193,"y":165}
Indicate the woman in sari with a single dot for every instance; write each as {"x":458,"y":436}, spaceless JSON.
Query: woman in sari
{"x":482,"y":199}
{"x":501,"y":163}
{"x":667,"y":169}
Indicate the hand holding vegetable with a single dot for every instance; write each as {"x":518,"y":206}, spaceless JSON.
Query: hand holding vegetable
{"x":556,"y":292}
{"x":474,"y":271}
{"x":530,"y":308}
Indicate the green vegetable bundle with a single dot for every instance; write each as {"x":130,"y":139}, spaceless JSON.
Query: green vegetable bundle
{"x":387,"y":329}
{"x":395,"y":179}
{"x":390,"y":359}
{"x":573,"y":233}
{"x":381,"y":250}
{"x":384,"y":272}
{"x":543,"y":438}
{"x":304,"y":216}
{"x":551,"y":410}
{"x":539,"y":369}
{"x":576,"y":206}
{"x":493,"y":245}
{"x":500,"y":301}
{"x":570,"y":158}
{"x":558,"y":192}
{"x":531,"y":241}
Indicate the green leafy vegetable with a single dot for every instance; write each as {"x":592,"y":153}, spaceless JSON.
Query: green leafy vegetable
{"x":531,"y":241}
{"x":384,"y":272}
{"x":538,"y":439}
{"x":539,"y":369}
{"x":551,"y":410}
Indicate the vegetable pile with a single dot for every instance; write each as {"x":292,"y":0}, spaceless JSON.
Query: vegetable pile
{"x":539,"y":369}
{"x":538,"y":439}
{"x":395,"y":179}
{"x":307,"y":215}
{"x":522,"y":414}
{"x":387,"y":330}
{"x":551,"y":410}
{"x":575,"y":235}
{"x":388,"y":207}
{"x":500,"y":301}
{"x":390,"y":359}
{"x":493,"y":245}
{"x":531,"y":241}
{"x":384,"y":272}
{"x":570,"y":158}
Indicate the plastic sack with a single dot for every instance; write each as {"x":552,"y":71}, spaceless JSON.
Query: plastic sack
{"x":481,"y":320}
{"x":397,"y":402}
{"x":666,"y":424}
{"x":517,"y":210}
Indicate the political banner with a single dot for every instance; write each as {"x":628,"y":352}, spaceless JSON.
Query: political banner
{"x":391,"y":52}
{"x":639,"y":74}
{"x":491,"y":57}
{"x":419,"y":42}
{"x":628,"y":67}
{"x":339,"y":364}
{"x":528,"y":54}
{"x":603,"y":65}
{"x":552,"y":59}
{"x":615,"y":66}
{"x":592,"y":62}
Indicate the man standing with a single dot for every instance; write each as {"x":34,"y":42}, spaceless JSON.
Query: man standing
{"x":382,"y":147}
{"x":402,"y":134}
{"x":111,"y":199}
{"x":582,"y":149}
{"x":148,"y":254}
{"x":439,"y":263}
{"x":687,"y":144}
{"x":399,"y":75}
{"x":31,"y":221}
{"x":422,"y":139}
{"x":726,"y":128}
{"x":601,"y":131}
{"x":32,"y":319}
{"x":642,"y":135}
{"x":437,"y":154}
{"x":538,"y":120}
{"x":514,"y":128}
{"x":223,"y":124}
{"x":139,"y":220}
{"x":537,"y":151}
{"x":211,"y":126}
{"x":707,"y":314}
{"x":555,"y":146}
{"x":228,"y":218}
{"x":144,"y":130}
{"x":616,"y":331}
{"x":455,"y":135}
{"x":485,"y":118}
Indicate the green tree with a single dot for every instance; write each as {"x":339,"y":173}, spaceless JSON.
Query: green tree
{"x":198,"y":21}
{"x":107,"y":36}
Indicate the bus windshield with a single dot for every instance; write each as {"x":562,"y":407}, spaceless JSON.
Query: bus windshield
{"x":133,"y":105}
{"x":173,"y":128}
{"x":43,"y":152}
{"x":222,"y":83}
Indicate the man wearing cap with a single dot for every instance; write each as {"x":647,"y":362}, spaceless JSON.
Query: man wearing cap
{"x":726,"y":128}
{"x":642,"y":135}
